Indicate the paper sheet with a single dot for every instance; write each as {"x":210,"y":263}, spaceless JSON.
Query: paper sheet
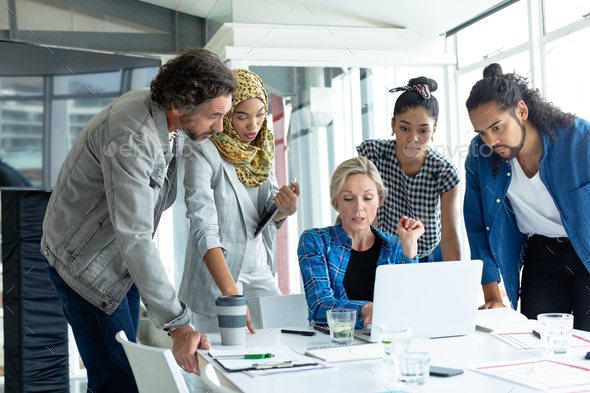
{"x":281,"y":354}
{"x":546,"y":375}
{"x":530,"y":341}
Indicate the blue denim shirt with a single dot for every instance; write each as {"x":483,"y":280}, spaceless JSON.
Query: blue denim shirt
{"x":323,"y":258}
{"x":564,"y":168}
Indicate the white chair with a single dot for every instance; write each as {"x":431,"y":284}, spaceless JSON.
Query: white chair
{"x":283,"y":311}
{"x":211,"y":380}
{"x":154,"y":369}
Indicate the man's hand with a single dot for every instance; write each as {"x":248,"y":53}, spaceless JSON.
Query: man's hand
{"x":186,"y":343}
{"x":489,"y":305}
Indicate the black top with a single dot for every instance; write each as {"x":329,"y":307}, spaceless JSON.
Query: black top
{"x":359,"y":279}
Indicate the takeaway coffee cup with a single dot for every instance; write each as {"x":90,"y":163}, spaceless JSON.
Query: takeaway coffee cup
{"x":232,"y":317}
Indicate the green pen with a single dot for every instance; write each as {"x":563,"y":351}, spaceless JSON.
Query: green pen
{"x":260,"y":356}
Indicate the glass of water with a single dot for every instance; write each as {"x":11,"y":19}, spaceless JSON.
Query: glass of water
{"x":341,"y":322}
{"x":556,"y":330}
{"x":395,"y":339}
{"x":413,"y":365}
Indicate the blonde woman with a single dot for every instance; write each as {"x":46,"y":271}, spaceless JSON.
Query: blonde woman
{"x":338,"y":263}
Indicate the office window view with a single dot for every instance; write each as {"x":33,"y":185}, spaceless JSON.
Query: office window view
{"x":41,"y":116}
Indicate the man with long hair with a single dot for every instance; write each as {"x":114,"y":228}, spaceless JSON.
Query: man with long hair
{"x":116,"y":181}
{"x":527,"y":198}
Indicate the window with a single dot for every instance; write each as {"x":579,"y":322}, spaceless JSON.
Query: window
{"x":558,"y":15}
{"x":103,"y":82}
{"x":567,"y":81}
{"x":21,"y":138}
{"x":495,"y":34}
{"x":21,"y":86}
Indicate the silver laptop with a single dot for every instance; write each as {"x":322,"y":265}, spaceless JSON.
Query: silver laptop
{"x":438,"y":299}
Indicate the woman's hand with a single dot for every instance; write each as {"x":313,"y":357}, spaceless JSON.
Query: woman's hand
{"x":286,"y":199}
{"x":249,"y":322}
{"x":366,"y":313}
{"x":409,"y":230}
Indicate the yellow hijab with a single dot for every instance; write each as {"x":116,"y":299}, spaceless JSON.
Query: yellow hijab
{"x":253,"y":161}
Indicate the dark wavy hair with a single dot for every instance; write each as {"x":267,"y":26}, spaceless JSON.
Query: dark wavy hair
{"x":506,"y":90}
{"x":189,"y":81}
{"x":413,"y":99}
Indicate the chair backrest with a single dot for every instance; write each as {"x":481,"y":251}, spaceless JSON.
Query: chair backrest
{"x":283,"y":311}
{"x":154,"y":369}
{"x":210,"y":379}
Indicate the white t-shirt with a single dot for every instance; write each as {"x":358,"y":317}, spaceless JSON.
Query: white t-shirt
{"x":535,"y":211}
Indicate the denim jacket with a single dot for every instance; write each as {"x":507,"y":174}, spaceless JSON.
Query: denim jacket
{"x":494,"y":237}
{"x":115,"y":182}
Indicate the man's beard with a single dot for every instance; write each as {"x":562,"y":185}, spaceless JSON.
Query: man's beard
{"x":186,"y":126}
{"x":513,"y":150}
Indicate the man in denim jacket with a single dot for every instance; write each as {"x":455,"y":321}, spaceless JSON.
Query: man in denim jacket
{"x":116,"y":181}
{"x":527,"y":198}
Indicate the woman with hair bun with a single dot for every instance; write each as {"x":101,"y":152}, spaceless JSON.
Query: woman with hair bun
{"x":527,"y":198}
{"x":422,"y":182}
{"x":338,"y":263}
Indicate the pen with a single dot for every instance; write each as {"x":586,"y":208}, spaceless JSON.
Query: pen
{"x":260,"y":356}
{"x":536,"y":334}
{"x":281,"y":365}
{"x":322,"y":329}
{"x":302,"y":332}
{"x":588,"y":356}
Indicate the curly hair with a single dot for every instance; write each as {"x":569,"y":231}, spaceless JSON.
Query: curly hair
{"x":189,"y":81}
{"x":507,"y":90}
{"x":413,"y":99}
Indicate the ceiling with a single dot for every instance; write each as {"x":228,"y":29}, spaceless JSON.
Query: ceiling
{"x":17,"y":60}
{"x":431,"y":17}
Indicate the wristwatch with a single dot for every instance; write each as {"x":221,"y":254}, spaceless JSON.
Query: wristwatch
{"x":170,"y":330}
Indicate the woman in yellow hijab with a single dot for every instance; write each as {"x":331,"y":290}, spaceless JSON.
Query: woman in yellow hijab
{"x":229,"y":185}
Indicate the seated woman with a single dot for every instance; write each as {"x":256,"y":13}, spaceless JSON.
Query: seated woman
{"x":338,"y":263}
{"x":229,"y":183}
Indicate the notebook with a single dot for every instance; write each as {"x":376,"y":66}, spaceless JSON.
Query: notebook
{"x":347,"y":353}
{"x":438,"y":299}
{"x":503,"y":320}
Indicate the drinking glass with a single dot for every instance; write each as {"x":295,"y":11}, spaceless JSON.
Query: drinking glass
{"x":556,"y":330}
{"x":413,"y":365}
{"x":341,"y":322}
{"x":395,"y":339}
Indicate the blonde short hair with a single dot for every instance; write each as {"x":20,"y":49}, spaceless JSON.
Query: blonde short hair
{"x":355,"y":166}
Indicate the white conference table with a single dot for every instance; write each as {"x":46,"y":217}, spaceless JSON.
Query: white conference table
{"x":374,"y":376}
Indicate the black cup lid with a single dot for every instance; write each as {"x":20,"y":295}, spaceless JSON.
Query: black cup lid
{"x":231,"y":300}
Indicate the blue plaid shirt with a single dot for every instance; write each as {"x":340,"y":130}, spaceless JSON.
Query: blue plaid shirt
{"x":323,"y":259}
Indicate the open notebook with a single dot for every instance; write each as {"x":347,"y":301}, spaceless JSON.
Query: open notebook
{"x":346,"y":353}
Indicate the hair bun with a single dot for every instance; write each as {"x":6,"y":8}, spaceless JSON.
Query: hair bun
{"x":493,"y":69}
{"x":422,"y":80}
